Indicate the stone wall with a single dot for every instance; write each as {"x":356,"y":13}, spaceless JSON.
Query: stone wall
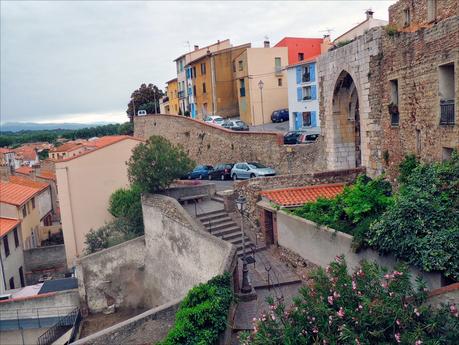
{"x":41,"y":260}
{"x":419,"y":12}
{"x":180,"y":254}
{"x":320,"y":245}
{"x":251,"y":189}
{"x":361,"y":60}
{"x":113,"y":276}
{"x":413,"y":59}
{"x":445,"y":295}
{"x":209,"y":144}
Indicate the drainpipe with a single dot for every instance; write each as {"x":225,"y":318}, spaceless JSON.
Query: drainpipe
{"x":213,"y":85}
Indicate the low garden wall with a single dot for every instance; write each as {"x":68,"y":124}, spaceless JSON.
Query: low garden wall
{"x":47,"y":259}
{"x":320,"y":245}
{"x":184,"y":190}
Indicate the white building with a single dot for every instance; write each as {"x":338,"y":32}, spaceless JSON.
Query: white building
{"x":11,"y":255}
{"x":303,"y":96}
{"x":361,"y":28}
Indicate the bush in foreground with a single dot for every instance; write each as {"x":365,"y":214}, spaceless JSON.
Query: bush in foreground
{"x":372,"y":306}
{"x":202,"y":315}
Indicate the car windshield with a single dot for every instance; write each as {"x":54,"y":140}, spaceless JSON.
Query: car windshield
{"x":240,"y":123}
{"x":219,"y":120}
{"x":254,"y":165}
{"x":275,"y":113}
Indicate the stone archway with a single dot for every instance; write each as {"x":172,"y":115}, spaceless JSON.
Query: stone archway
{"x":346,"y":140}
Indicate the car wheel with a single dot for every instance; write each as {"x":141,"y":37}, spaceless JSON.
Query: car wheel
{"x":189,"y":177}
{"x":281,"y":120}
{"x":252,"y":175}
{"x":200,"y":177}
{"x":223,"y":177}
{"x":234,"y":177}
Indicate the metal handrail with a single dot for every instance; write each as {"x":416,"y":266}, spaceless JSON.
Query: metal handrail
{"x":59,"y":328}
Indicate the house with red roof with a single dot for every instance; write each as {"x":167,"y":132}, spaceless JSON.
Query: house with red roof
{"x":303,"y":48}
{"x":85,"y":183}
{"x":26,"y":155}
{"x":7,"y":157}
{"x":11,"y":255}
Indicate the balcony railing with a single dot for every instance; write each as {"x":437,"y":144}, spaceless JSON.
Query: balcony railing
{"x":60,"y":328}
{"x":181,"y":94}
{"x":306,"y":77}
{"x":447,"y":112}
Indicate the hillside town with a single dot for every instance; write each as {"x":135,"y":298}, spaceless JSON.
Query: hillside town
{"x":298,"y":192}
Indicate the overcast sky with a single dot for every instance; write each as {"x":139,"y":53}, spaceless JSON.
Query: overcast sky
{"x":79,"y":61}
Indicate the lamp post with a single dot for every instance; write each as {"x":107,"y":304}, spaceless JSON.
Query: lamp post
{"x":246,"y":287}
{"x":260,"y":85}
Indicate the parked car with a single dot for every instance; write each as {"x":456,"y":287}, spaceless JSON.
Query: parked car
{"x":306,"y":138}
{"x":280,"y":115}
{"x":244,"y":170}
{"x":291,"y":138}
{"x":200,"y":172}
{"x":235,"y":125}
{"x":221,"y":172}
{"x":215,"y":120}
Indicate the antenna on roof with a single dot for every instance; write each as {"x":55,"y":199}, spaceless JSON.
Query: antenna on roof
{"x":328,"y":30}
{"x":188,"y":44}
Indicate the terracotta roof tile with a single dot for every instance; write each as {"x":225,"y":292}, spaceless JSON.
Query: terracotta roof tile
{"x":289,"y":197}
{"x":27,"y":153}
{"x":7,"y":224}
{"x":24,"y":170}
{"x":67,"y":147}
{"x":47,"y":175}
{"x":5,"y":150}
{"x":28,"y":182}
{"x":16,"y":194}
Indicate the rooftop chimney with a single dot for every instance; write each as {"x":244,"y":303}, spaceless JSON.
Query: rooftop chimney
{"x":369,"y":13}
{"x":266,"y":44}
{"x":196,"y":47}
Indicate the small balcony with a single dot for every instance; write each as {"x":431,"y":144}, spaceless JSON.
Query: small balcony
{"x":181,"y":94}
{"x":165,"y":99}
{"x":447,"y":112}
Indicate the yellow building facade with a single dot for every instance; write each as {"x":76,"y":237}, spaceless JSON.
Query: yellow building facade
{"x":172,"y":94}
{"x":265,"y":66}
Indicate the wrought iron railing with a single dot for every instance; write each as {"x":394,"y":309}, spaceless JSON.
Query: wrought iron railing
{"x":60,"y":328}
{"x":447,"y":112}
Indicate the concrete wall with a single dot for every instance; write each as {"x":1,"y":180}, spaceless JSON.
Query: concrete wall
{"x":320,"y":245}
{"x":208,"y":144}
{"x":44,"y":202}
{"x":85,"y":184}
{"x":179,"y":253}
{"x":48,"y":258}
{"x":149,"y":328}
{"x":178,"y":192}
{"x":113,"y":276}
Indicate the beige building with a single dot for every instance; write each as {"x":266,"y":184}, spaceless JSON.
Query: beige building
{"x":67,"y":150}
{"x":11,"y":255}
{"x":85,"y":183}
{"x":361,"y":28}
{"x":264,"y":67}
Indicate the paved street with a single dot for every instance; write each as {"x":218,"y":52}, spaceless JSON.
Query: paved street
{"x":271,"y":127}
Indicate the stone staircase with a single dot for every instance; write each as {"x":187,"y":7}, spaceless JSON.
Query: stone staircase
{"x":220,"y":224}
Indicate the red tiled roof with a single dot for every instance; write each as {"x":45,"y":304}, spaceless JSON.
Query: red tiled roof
{"x":47,"y":175}
{"x":28,"y":182}
{"x":16,"y":194}
{"x":289,"y":197}
{"x":6,"y":225}
{"x":24,"y":170}
{"x":5,"y":150}
{"x":27,"y":153}
{"x":66,"y":147}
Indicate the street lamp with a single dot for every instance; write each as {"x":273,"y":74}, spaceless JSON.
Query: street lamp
{"x":246,"y":287}
{"x":260,"y":85}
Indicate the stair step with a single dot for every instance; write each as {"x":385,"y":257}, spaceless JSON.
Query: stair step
{"x":232,"y":235}
{"x":218,"y":199}
{"x":205,"y":217}
{"x":222,"y":232}
{"x":238,"y":241}
{"x":211,"y":213}
{"x":221,"y":226}
{"x":217,"y":221}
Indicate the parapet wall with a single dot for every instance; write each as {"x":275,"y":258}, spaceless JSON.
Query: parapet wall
{"x":209,"y":144}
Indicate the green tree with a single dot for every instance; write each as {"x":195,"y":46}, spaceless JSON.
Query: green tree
{"x":142,"y":98}
{"x":126,"y":128}
{"x":126,"y":204}
{"x":154,"y":165}
{"x":111,"y":234}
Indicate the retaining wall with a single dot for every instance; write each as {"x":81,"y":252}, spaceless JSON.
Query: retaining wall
{"x":46,"y":259}
{"x":320,"y":245}
{"x":210,"y":144}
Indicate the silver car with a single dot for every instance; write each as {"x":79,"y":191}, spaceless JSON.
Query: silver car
{"x":245,"y":170}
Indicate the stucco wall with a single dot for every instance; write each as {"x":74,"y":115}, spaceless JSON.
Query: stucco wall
{"x":179,"y":253}
{"x":113,"y":276}
{"x":44,"y":202}
{"x":11,"y":263}
{"x":320,"y":245}
{"x":49,"y":258}
{"x":85,"y":185}
{"x":207,"y":144}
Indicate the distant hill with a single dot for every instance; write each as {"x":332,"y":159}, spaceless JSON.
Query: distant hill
{"x":32,"y":126}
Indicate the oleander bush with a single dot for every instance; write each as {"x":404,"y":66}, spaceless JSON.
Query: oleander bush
{"x":371,"y":306}
{"x":202,"y":315}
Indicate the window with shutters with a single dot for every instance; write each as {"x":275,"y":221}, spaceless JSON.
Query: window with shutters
{"x":307,"y":118}
{"x":6,"y":246}
{"x":307,"y":93}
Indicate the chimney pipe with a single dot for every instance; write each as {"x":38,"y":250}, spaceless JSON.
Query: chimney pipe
{"x":369,"y":13}
{"x":266,"y":44}
{"x":196,"y":47}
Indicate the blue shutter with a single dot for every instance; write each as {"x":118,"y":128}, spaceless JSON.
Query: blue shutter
{"x":312,"y":71}
{"x":298,"y":120}
{"x":313,"y":119}
{"x":299,"y":94}
{"x":298,"y":74}
{"x":313,"y":92}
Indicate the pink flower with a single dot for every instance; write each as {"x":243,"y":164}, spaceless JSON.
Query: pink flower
{"x":418,"y":342}
{"x":315,"y":330}
{"x":340,"y":313}
{"x":397,"y":322}
{"x":360,"y":273}
{"x":391,"y":294}
{"x":416,"y":311}
{"x":357,"y":342}
{"x":328,"y":269}
{"x":354,"y":285}
{"x":384,"y":285}
{"x":336,"y":295}
{"x":338,"y":259}
{"x":453,"y":310}
{"x":397,"y":337}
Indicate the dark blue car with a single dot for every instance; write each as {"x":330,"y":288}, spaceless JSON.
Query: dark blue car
{"x":200,"y":172}
{"x":280,"y":115}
